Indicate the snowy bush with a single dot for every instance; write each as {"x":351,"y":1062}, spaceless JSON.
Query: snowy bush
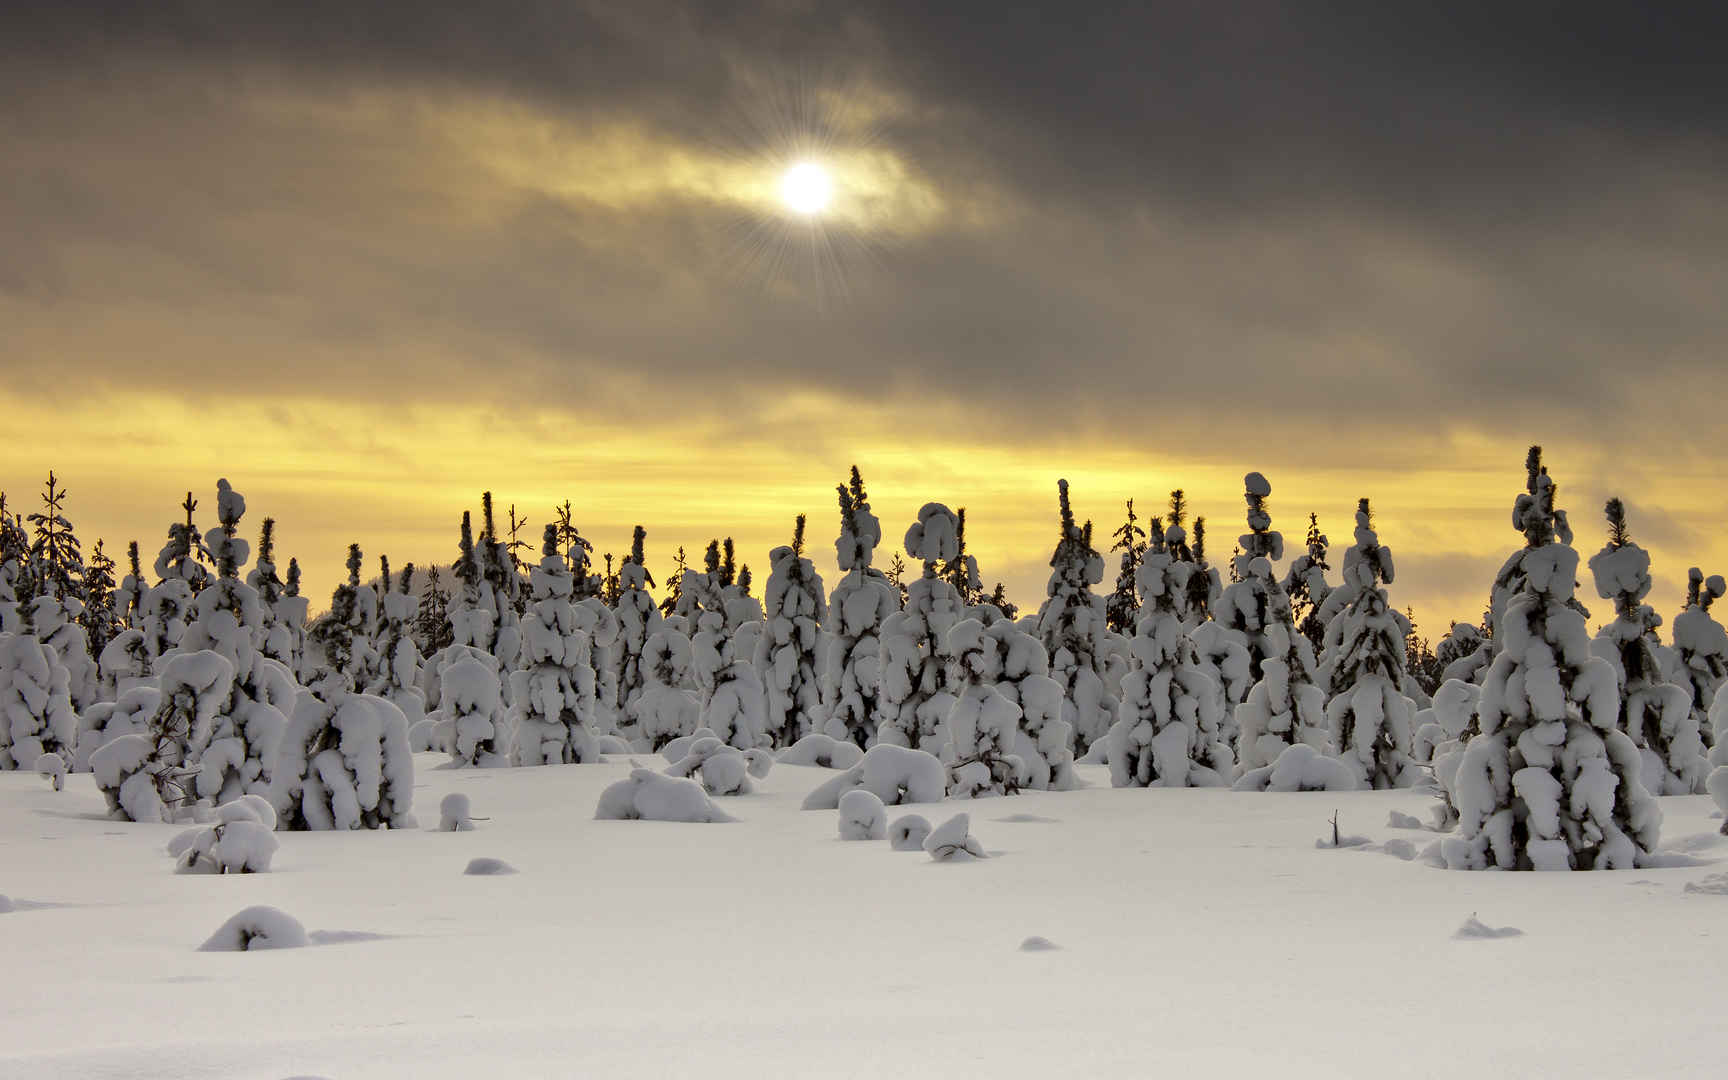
{"x":664,"y":709}
{"x":894,"y":774}
{"x":241,"y":840}
{"x":722,"y":769}
{"x":1299,"y":768}
{"x":454,"y":814}
{"x":648,"y":796}
{"x":36,"y":715}
{"x":823,"y":752}
{"x":862,"y":816}
{"x":344,"y":764}
{"x":952,"y":841}
{"x":257,"y":928}
{"x":908,"y":833}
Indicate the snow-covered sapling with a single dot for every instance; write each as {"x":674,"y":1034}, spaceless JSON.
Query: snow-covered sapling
{"x":952,"y":841}
{"x":908,"y":833}
{"x":862,"y":816}
{"x":648,"y":796}
{"x":257,"y":928}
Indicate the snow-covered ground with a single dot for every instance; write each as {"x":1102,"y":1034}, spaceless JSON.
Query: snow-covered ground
{"x":1196,"y":930}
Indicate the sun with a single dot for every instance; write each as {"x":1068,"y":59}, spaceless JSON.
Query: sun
{"x":806,"y":189}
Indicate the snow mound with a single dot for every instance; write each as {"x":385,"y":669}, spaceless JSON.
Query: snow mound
{"x":821,"y":751}
{"x":1327,"y":844}
{"x":862,"y":816}
{"x":256,"y":928}
{"x":487,"y":866}
{"x":242,"y":846}
{"x":908,"y":833}
{"x":1403,"y":849}
{"x":676,"y":750}
{"x":648,"y":796}
{"x":1299,"y":768}
{"x":1038,"y":944}
{"x":1714,"y":885}
{"x":613,"y":744}
{"x":453,"y":814}
{"x":723,"y":770}
{"x":1398,"y":820}
{"x":952,"y":841}
{"x":1475,"y":930}
{"x":895,"y":774}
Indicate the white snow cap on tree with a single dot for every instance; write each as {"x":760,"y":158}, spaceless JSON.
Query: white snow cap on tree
{"x":648,"y":796}
{"x":983,"y":725}
{"x":916,"y":691}
{"x":858,"y":610}
{"x":1072,"y":624}
{"x":786,"y":653}
{"x":36,"y":715}
{"x":1551,"y":783}
{"x":344,"y":764}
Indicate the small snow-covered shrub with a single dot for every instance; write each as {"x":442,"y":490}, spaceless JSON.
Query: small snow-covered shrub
{"x":256,"y":928}
{"x":723,"y":770}
{"x":648,"y":796}
{"x":908,"y":833}
{"x":862,"y":816}
{"x":894,"y":773}
{"x":241,"y":840}
{"x":676,"y":750}
{"x":52,"y":768}
{"x":823,"y":752}
{"x":1300,"y":768}
{"x":454,"y":813}
{"x":952,"y":841}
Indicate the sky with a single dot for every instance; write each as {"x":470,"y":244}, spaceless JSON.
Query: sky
{"x":369,"y":260}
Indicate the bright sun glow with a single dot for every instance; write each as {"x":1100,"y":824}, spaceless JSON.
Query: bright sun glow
{"x":806,"y":189}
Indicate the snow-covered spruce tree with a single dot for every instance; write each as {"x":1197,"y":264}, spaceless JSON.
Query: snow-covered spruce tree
{"x":554,"y":690}
{"x":129,"y":602}
{"x":100,"y":621}
{"x":179,"y":577}
{"x":1204,"y":588}
{"x":57,"y":607}
{"x":916,"y":692}
{"x":291,"y":615}
{"x":344,"y":762}
{"x":962,"y":570}
{"x":1122,"y":608}
{"x":237,"y":754}
{"x":275,"y":638}
{"x":1071,"y":625}
{"x":498,"y":572}
{"x":1464,"y":654}
{"x":153,"y":776}
{"x":638,"y":618}
{"x":1509,"y":581}
{"x":1169,"y":725}
{"x":860,"y":607}
{"x":1022,"y":673}
{"x":665,"y":708}
{"x":795,"y":607}
{"x":15,"y":584}
{"x":737,"y":708}
{"x":1283,"y":708}
{"x":673,"y":605}
{"x":578,"y":555}
{"x":472,"y":611}
{"x":983,"y":725}
{"x":1657,"y":714}
{"x":432,"y":616}
{"x":1551,"y":783}
{"x":1701,"y":648}
{"x":396,"y":674}
{"x":1306,"y":586}
{"x":1371,"y":720}
{"x":343,"y":637}
{"x":36,"y":715}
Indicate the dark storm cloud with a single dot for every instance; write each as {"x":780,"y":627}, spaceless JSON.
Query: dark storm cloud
{"x":1458,"y":213}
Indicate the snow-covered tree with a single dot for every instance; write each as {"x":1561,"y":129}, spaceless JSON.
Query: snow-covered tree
{"x":1072,"y":626}
{"x":638,"y":618}
{"x":15,"y":583}
{"x":275,"y":638}
{"x":498,"y":573}
{"x":859,"y":608}
{"x":555,"y":690}
{"x":129,"y":602}
{"x":396,"y":673}
{"x":1371,"y":720}
{"x":472,"y":718}
{"x":665,"y":708}
{"x":1306,"y":586}
{"x":432,"y":616}
{"x":1551,"y":783}
{"x":291,"y":616}
{"x":1169,"y":725}
{"x":179,"y":576}
{"x":344,"y":635}
{"x":578,"y":554}
{"x":916,"y":690}
{"x":153,"y":776}
{"x":236,"y":755}
{"x":100,"y":621}
{"x":36,"y":715}
{"x":1656,"y":713}
{"x":1122,"y":607}
{"x":983,"y":724}
{"x":1701,"y":647}
{"x":795,"y":607}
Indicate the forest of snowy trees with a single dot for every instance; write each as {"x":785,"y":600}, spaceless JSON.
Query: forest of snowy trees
{"x":199,"y":680}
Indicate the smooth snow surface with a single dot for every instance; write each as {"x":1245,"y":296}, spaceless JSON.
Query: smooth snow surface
{"x":769,"y":949}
